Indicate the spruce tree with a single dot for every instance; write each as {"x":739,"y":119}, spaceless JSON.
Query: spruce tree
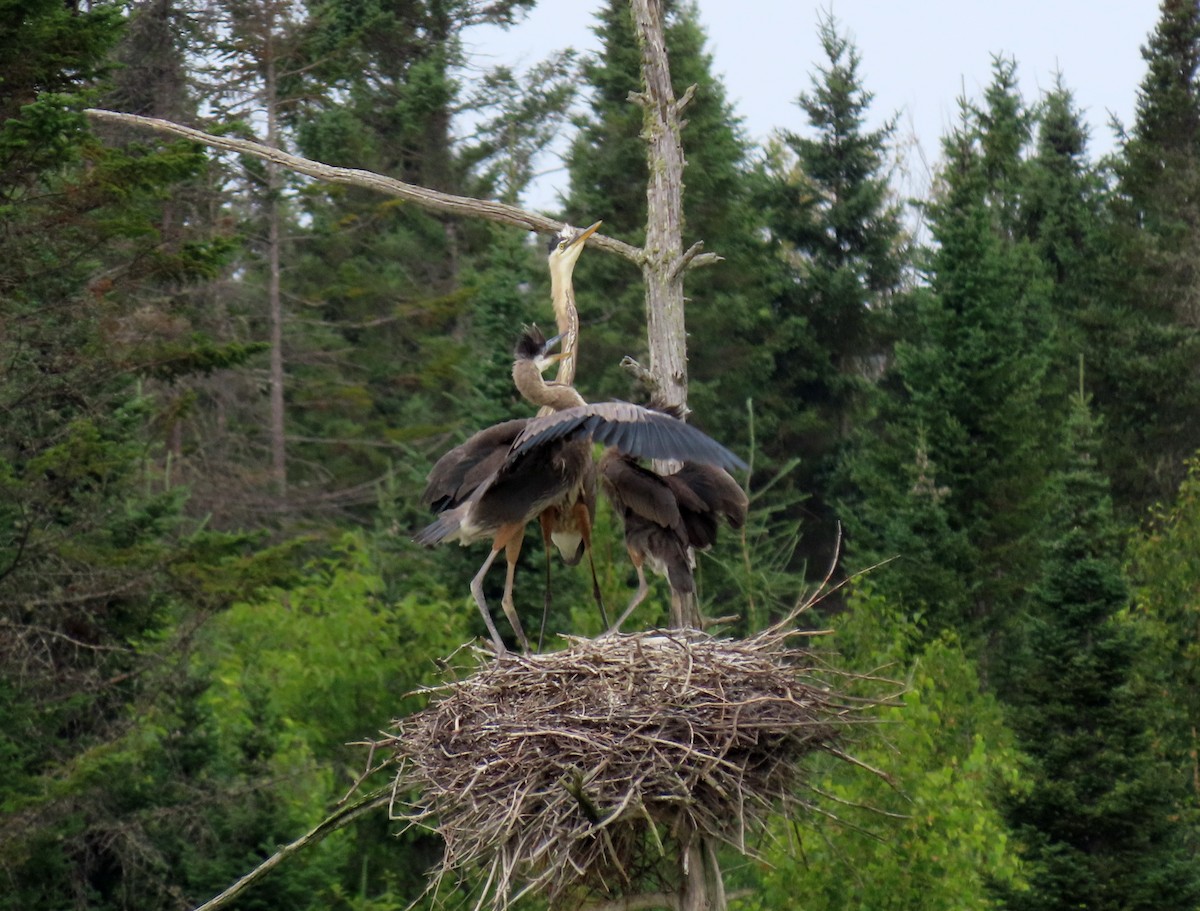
{"x":1062,"y":215}
{"x":1147,"y":336}
{"x":840,"y":259}
{"x":1061,"y":199}
{"x":961,"y":420}
{"x":392,"y":291}
{"x":1158,"y":169}
{"x":96,"y":562}
{"x":1098,"y":820}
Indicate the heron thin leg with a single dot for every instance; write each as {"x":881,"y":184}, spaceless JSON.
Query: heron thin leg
{"x":638,"y":597}
{"x":547,"y":523}
{"x":477,"y":591}
{"x":512,"y":550}
{"x":584,"y":517}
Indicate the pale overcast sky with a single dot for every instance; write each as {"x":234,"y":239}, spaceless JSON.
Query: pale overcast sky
{"x":918,"y":56}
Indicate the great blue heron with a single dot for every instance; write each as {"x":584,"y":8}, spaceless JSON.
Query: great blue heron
{"x":564,"y":250}
{"x":664,"y":515}
{"x":505,"y":476}
{"x":569,"y":529}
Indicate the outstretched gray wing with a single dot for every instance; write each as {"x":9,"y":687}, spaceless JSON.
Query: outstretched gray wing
{"x":634,"y":430}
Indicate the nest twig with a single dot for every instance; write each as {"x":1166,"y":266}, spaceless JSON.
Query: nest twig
{"x":569,"y":772}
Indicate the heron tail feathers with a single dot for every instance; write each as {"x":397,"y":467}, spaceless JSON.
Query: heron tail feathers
{"x":440,"y":529}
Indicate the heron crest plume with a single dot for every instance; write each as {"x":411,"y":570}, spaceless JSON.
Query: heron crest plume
{"x":531,"y":343}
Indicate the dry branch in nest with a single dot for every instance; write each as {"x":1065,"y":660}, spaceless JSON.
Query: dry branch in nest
{"x":580,"y":772}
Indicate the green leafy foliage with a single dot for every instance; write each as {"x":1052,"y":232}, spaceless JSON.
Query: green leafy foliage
{"x":299,"y":676}
{"x":1166,"y":566}
{"x":186,"y":658}
{"x":1165,"y":570}
{"x":333,"y":636}
{"x":924,"y":830}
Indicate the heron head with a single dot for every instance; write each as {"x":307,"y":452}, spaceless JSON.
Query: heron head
{"x":566,"y":245}
{"x":534,"y":346}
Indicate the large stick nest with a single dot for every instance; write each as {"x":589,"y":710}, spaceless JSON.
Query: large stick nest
{"x":584,"y":771}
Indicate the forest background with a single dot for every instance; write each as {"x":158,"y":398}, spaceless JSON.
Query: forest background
{"x":222,"y":387}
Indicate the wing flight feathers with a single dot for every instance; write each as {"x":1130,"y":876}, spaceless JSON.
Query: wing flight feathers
{"x":634,"y":430}
{"x":457,"y":473}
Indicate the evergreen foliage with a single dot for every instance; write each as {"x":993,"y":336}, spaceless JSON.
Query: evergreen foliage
{"x":187,"y":657}
{"x":1062,"y":215}
{"x":522,"y":117}
{"x":840,"y":260}
{"x":1148,"y":388}
{"x":1097,"y":817}
{"x":948,"y":474}
{"x":102,"y":581}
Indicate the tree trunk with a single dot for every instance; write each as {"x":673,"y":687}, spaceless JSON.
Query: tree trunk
{"x":663,"y":260}
{"x":663,"y":267}
{"x":274,"y":295}
{"x":663,"y":252}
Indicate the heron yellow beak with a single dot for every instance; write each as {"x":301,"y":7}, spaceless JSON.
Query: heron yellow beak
{"x":585,"y":234}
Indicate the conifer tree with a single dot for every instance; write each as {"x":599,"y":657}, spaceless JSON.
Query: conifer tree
{"x":253,"y":46}
{"x":523,"y":114}
{"x":840,"y":260}
{"x":1062,"y":215}
{"x":95,"y":559}
{"x":961,"y":421}
{"x":392,"y":288}
{"x":1097,"y":820}
{"x":1004,"y":126}
{"x":1158,"y":174}
{"x":1147,"y":336}
{"x":1061,"y":196}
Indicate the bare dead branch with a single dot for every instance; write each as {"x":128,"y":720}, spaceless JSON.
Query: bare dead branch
{"x":331,"y":824}
{"x":693,"y":258}
{"x":685,"y":99}
{"x":640,"y":373}
{"x":22,"y":628}
{"x":426,"y":198}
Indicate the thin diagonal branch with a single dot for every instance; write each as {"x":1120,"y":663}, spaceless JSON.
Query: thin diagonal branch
{"x":422,"y":196}
{"x":332,"y":823}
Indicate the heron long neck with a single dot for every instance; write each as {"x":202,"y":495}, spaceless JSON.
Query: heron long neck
{"x":553,"y":396}
{"x":563,"y":294}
